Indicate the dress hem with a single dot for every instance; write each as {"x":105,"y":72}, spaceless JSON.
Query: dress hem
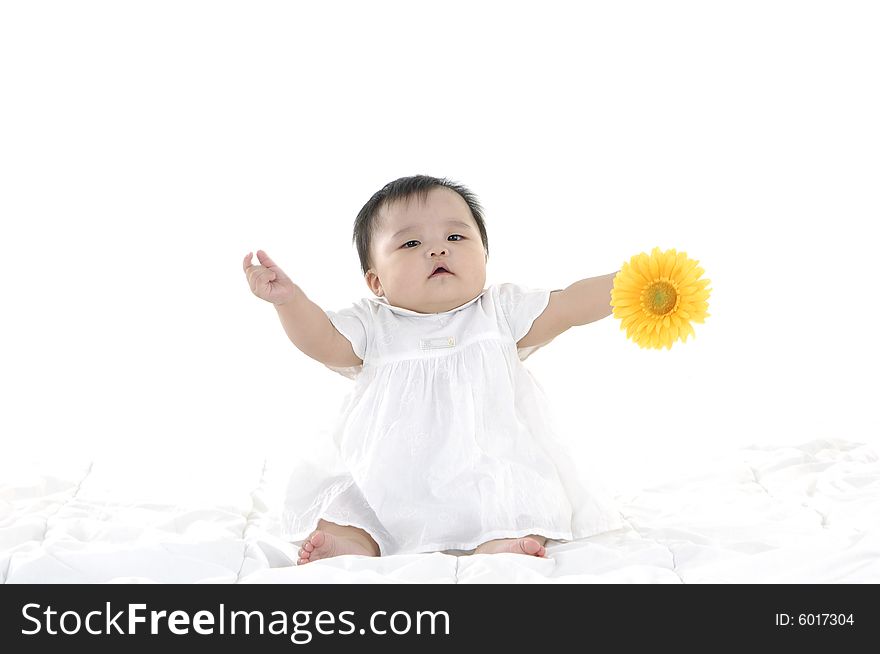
{"x":549,"y":534}
{"x":468,"y":546}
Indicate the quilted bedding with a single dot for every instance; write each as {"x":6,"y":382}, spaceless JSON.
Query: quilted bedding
{"x":807,"y":513}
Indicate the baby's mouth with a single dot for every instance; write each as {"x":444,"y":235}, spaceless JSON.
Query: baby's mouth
{"x":440,"y":271}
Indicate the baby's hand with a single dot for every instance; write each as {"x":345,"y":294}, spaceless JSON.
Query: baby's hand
{"x":268,"y":282}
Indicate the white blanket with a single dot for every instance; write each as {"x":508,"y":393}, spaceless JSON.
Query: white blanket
{"x":765,"y":514}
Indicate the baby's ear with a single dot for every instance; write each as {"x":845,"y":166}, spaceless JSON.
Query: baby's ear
{"x":374,"y":284}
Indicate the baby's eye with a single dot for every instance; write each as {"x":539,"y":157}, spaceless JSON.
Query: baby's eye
{"x":450,"y":236}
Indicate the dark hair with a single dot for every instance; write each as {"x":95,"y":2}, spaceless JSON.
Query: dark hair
{"x":402,"y":189}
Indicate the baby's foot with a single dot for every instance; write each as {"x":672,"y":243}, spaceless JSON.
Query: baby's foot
{"x":323,"y":545}
{"x":523,"y":545}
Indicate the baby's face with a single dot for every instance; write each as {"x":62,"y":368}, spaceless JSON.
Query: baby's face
{"x":412,"y":239}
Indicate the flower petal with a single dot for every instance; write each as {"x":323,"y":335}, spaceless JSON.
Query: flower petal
{"x":654,"y":264}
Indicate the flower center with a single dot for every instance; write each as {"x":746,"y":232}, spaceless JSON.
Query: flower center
{"x":660,"y":298}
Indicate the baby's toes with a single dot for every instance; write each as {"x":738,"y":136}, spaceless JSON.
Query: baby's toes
{"x":531,"y":547}
{"x":316,"y":540}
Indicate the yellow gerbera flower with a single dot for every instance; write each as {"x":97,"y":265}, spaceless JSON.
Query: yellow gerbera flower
{"x":657,"y":297}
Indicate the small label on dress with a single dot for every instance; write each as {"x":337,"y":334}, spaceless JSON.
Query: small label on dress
{"x":433,"y":343}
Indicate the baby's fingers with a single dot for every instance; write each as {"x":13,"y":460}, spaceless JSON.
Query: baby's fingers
{"x":247,"y":262}
{"x":265,"y":260}
{"x":256,"y":273}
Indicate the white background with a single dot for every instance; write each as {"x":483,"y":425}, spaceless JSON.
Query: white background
{"x":146,"y":147}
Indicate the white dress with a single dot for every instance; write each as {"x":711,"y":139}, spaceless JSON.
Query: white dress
{"x":445,"y":441}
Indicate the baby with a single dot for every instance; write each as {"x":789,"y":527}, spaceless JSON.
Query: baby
{"x":445,"y":443}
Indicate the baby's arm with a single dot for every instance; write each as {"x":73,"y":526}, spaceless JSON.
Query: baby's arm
{"x":583,"y":302}
{"x":305,"y":323}
{"x":309,"y":328}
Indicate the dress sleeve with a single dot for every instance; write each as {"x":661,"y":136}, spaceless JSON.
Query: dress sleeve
{"x":354,"y":323}
{"x":521,"y":306}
